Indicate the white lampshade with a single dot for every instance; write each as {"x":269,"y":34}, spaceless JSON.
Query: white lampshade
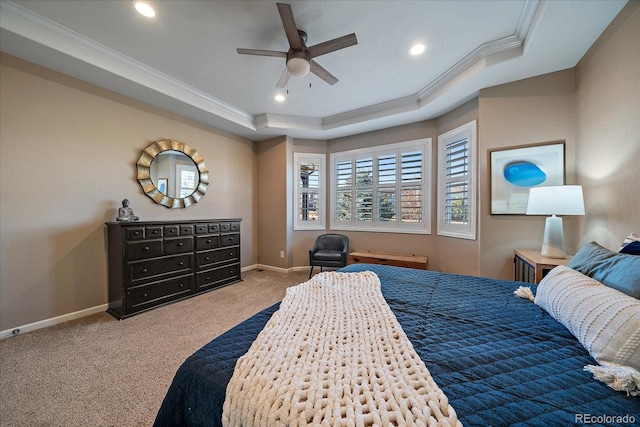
{"x":298,"y":67}
{"x":555,"y":200}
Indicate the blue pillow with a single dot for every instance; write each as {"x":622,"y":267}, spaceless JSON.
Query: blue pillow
{"x":632,"y":248}
{"x":617,"y":270}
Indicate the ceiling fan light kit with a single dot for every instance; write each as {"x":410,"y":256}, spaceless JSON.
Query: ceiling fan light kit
{"x":299,"y":60}
{"x":298,"y":66}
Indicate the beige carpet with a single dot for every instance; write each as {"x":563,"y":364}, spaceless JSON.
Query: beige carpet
{"x":98,"y":371}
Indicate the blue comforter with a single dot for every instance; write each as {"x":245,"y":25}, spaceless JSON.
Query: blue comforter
{"x":501,"y":360}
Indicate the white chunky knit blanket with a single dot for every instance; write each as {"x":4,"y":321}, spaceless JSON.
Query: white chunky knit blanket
{"x":334,"y":354}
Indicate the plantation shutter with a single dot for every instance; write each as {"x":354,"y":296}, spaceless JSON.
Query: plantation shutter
{"x":382,"y":188}
{"x":457,"y":204}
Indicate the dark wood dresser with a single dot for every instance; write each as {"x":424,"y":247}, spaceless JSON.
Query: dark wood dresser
{"x":153,"y":263}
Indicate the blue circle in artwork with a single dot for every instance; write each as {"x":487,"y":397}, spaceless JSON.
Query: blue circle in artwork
{"x":524,"y":174}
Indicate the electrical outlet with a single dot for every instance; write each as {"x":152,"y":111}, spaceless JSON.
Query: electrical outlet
{"x":281,"y":254}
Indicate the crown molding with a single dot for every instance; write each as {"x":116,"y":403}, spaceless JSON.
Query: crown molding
{"x":283,"y":121}
{"x":372,"y":112}
{"x":482,"y":53}
{"x":21,"y":21}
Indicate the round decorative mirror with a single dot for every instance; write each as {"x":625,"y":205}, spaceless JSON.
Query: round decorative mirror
{"x":172,"y":174}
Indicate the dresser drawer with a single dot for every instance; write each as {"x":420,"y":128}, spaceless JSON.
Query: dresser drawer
{"x":144,"y":270}
{"x":207,"y":242}
{"x":171,"y":231}
{"x":217,"y":276}
{"x":178,"y":246}
{"x":144,"y":249}
{"x":159,"y":292}
{"x":211,"y":258}
{"x":186,"y":230}
{"x":235,"y":226}
{"x":134,"y":233}
{"x":152,"y":232}
{"x":214,"y":228}
{"x":202,"y":228}
{"x":229,"y":239}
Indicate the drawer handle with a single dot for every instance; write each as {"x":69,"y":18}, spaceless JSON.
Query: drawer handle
{"x":180,"y":244}
{"x":356,"y":259}
{"x":207,"y":258}
{"x":231,"y":238}
{"x":230,"y":253}
{"x":181,"y":263}
{"x":207,"y":278}
{"x":146,"y":248}
{"x":209,"y":240}
{"x":145,"y":295}
{"x":136,"y":233}
{"x":181,"y":285}
{"x":144,"y":270}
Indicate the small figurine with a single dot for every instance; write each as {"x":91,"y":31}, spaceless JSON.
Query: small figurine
{"x":125,"y":213}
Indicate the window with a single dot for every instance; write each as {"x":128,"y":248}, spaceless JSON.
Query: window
{"x":309,"y":197}
{"x":187,"y":178}
{"x":457,"y":182}
{"x":384,"y":188}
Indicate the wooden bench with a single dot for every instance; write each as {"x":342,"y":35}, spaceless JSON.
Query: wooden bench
{"x":384,"y":258}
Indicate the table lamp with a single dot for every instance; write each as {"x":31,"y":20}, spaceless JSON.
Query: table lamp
{"x":555,"y":200}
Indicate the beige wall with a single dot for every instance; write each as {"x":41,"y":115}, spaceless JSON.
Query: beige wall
{"x":273,"y":199}
{"x":68,"y":152}
{"x":538,"y":109}
{"x":608,"y":132}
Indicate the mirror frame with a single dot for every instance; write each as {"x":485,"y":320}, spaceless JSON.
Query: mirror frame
{"x":149,"y":187}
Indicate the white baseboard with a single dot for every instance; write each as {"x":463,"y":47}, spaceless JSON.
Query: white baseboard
{"x":100,"y":308}
{"x":279,"y":269}
{"x":53,"y":321}
{"x":249,"y":267}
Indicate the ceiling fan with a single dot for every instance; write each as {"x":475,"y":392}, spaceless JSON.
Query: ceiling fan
{"x":300,"y":57}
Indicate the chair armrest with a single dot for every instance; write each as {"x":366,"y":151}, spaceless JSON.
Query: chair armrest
{"x":316,"y":247}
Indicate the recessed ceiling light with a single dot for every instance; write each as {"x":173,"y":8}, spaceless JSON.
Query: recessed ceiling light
{"x":417,"y":49}
{"x":144,"y":9}
{"x":280,"y":97}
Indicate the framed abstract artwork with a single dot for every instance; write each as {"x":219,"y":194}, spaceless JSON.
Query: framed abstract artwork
{"x":162,"y":185}
{"x":514,"y":170}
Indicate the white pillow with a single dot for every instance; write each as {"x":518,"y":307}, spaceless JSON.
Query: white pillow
{"x":604,"y":320}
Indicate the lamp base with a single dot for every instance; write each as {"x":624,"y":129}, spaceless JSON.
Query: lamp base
{"x":553,"y":240}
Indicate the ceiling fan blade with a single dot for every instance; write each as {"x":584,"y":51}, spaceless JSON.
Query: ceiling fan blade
{"x":322,"y":73}
{"x":261,"y":52}
{"x":333,"y":45}
{"x":284,"y":78}
{"x":289,"y":24}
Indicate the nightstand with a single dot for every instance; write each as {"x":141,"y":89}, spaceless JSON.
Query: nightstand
{"x":531,"y":267}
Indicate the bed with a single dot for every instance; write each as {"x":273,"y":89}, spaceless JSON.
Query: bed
{"x":500,"y":359}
